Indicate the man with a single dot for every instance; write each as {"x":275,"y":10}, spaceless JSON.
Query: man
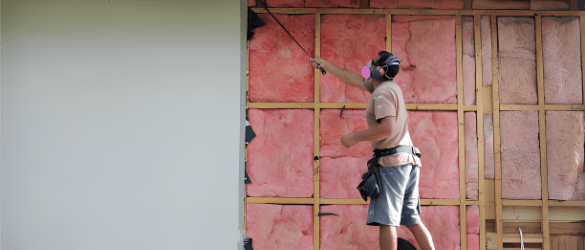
{"x":398,"y":202}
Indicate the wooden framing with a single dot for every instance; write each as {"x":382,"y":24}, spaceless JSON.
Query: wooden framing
{"x":480,"y":133}
{"x":542,"y":126}
{"x":316,"y":177}
{"x":582,"y":24}
{"x":487,"y":101}
{"x":461,"y":130}
{"x":415,"y":12}
{"x":496,"y":120}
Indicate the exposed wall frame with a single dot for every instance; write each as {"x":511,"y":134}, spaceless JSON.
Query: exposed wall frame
{"x":480,"y":108}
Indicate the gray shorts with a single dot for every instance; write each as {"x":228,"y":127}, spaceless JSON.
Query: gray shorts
{"x":398,"y":202}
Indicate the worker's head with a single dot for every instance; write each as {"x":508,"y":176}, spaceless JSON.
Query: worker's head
{"x":382,"y":67}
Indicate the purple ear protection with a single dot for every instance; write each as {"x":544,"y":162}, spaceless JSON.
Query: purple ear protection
{"x":377,"y":72}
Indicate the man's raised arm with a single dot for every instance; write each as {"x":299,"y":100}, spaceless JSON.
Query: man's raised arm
{"x":344,"y":75}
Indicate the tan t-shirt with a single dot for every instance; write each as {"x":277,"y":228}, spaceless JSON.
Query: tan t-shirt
{"x":387,"y":101}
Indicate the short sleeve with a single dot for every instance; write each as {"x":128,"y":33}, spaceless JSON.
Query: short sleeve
{"x":384,"y":106}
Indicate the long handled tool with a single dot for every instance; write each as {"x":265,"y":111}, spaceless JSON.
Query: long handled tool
{"x":291,"y":36}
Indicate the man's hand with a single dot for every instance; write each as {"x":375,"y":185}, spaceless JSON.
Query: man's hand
{"x":318,"y":61}
{"x":348,"y":140}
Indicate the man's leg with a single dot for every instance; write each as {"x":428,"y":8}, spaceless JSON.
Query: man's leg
{"x":422,"y":235}
{"x":388,"y":237}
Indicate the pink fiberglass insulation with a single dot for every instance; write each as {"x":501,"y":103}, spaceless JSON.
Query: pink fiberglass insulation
{"x":279,"y":70}
{"x":349,"y":41}
{"x":435,"y":134}
{"x":563,"y":83}
{"x":564,"y":154}
{"x":251,"y":3}
{"x":426,"y":46}
{"x":488,"y":146}
{"x":333,"y":127}
{"x":340,"y":168}
{"x":520,"y":154}
{"x":502,"y":5}
{"x":517,"y":64}
{"x":486,"y":49}
{"x":549,"y":5}
{"x":339,"y":177}
{"x":285,"y":3}
{"x":348,"y":231}
{"x":280,"y":227}
{"x":471,"y":161}
{"x":416,"y":4}
{"x":472,"y":227}
{"x":280,"y":157}
{"x":468,"y":61}
{"x":332,"y":3}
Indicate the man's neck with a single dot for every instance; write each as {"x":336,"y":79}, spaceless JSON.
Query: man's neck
{"x":376,"y":83}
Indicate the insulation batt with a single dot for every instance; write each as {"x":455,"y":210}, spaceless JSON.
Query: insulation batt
{"x":285,"y":3}
{"x":280,"y":157}
{"x":333,"y":127}
{"x":426,"y":46}
{"x":468,"y":61}
{"x":549,"y":5}
{"x":488,"y":149}
{"x":280,"y":227}
{"x":564,"y":154}
{"x":348,"y":231}
{"x":486,"y":49}
{"x":339,"y":177}
{"x":435,"y":134}
{"x":563,"y":82}
{"x":251,"y":3}
{"x":279,"y":70}
{"x":502,"y":5}
{"x":332,"y":3}
{"x":350,"y":42}
{"x":416,"y":4}
{"x":520,"y":152}
{"x":517,"y":61}
{"x":472,"y":227}
{"x":340,"y":168}
{"x":471,"y":161}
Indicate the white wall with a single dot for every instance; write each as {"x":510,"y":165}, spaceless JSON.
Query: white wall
{"x":118,"y":118}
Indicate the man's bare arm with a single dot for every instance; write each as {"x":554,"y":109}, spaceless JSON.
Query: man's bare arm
{"x":344,"y":75}
{"x":375,"y":133}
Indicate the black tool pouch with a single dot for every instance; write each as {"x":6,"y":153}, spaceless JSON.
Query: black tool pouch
{"x":370,"y":180}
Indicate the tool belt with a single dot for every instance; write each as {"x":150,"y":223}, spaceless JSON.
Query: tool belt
{"x":400,"y":149}
{"x":371,"y":182}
